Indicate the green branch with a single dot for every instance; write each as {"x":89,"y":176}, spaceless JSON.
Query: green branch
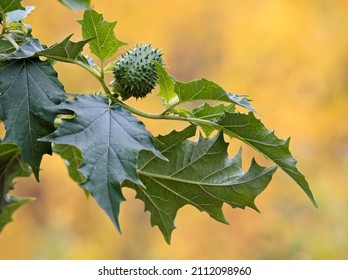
{"x":167,"y":117}
{"x":98,"y":75}
{"x":13,"y":42}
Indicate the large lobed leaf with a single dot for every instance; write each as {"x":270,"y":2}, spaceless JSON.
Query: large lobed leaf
{"x":198,"y":173}
{"x":245,"y":127}
{"x":28,"y":87}
{"x":250,"y":130}
{"x":110,"y":139}
{"x":104,"y":43}
{"x":11,"y":166}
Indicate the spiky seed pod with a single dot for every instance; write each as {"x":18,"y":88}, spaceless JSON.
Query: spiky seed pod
{"x":135,"y":74}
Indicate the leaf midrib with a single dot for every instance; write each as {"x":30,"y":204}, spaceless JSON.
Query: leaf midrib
{"x":199,"y":183}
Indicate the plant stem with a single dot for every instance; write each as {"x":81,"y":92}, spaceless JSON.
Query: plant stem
{"x":102,"y":81}
{"x":98,"y":75}
{"x":105,"y":87}
{"x":167,"y":117}
{"x":13,"y":42}
{"x":169,"y":108}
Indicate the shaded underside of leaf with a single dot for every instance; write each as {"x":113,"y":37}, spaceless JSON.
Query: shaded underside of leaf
{"x":28,"y":88}
{"x":110,"y":139}
{"x":11,"y":166}
{"x":250,"y":130}
{"x":198,"y":173}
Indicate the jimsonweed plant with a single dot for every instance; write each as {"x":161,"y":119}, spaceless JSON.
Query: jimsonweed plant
{"x":104,"y":144}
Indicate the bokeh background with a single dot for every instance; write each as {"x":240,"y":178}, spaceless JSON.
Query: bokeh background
{"x":290,"y":57}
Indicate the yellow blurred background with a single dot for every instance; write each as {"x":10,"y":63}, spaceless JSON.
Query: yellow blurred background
{"x":290,"y":57}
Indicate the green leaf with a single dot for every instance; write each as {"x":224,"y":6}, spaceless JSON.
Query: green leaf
{"x":28,"y":88}
{"x":27,"y":49}
{"x":198,"y":173}
{"x":64,"y":51}
{"x":10,"y":5}
{"x":13,"y":204}
{"x":87,"y":61}
{"x":73,"y":159}
{"x":104,"y":44}
{"x":110,"y":139}
{"x":211,"y":113}
{"x":5,"y":48}
{"x":77,"y":4}
{"x":250,"y":130}
{"x":11,"y":166}
{"x":166,"y":83}
{"x":204,"y":89}
{"x":18,"y":15}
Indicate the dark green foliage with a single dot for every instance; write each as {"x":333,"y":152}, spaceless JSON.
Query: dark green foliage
{"x":28,"y":87}
{"x":103,"y":143}
{"x":110,"y":139}
{"x":11,"y":166}
{"x":198,"y":173}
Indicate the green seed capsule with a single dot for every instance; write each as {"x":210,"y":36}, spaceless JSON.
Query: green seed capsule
{"x":135,"y":73}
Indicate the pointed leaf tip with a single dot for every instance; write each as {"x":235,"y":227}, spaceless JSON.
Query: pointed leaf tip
{"x":32,"y":84}
{"x":105,"y":44}
{"x":110,"y":139}
{"x":250,"y":130}
{"x":198,"y":173}
{"x":66,"y":50}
